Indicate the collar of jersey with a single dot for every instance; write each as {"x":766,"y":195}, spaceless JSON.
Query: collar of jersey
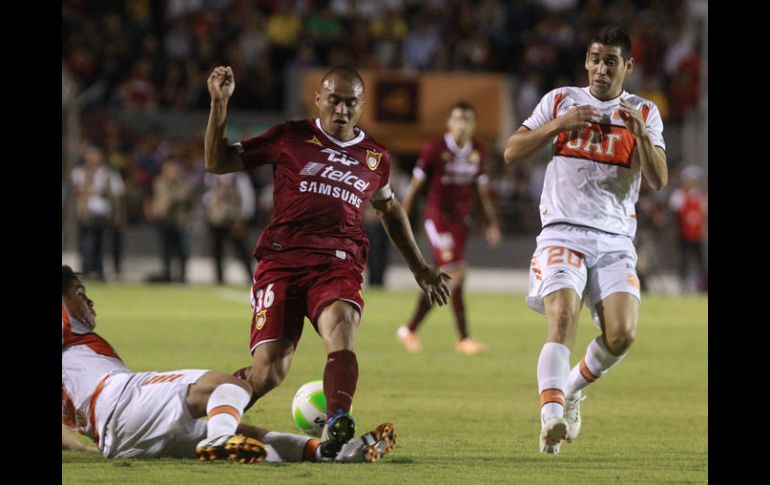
{"x":357,"y":139}
{"x":609,"y":101}
{"x":452,"y":145}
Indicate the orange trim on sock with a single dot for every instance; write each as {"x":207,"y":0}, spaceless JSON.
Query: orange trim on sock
{"x":552,"y":395}
{"x":310,"y":447}
{"x":225,"y":409}
{"x":587,"y":374}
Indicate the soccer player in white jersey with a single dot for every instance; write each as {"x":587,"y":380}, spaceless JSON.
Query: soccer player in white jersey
{"x":604,"y":139}
{"x":154,"y":414}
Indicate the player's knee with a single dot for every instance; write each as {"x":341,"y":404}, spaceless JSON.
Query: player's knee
{"x":263,"y":379}
{"x":619,"y":342}
{"x":458,"y":278}
{"x":341,"y":336}
{"x":240,"y":383}
{"x":561,"y":321}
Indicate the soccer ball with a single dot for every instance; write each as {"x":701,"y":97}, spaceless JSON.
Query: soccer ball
{"x":309,"y":408}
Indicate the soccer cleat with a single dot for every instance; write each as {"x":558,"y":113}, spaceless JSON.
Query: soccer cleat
{"x":553,"y":433}
{"x":370,"y":447}
{"x":237,"y":448}
{"x":572,"y":414}
{"x":468,"y":346}
{"x":410,"y":339}
{"x":338,"y":430}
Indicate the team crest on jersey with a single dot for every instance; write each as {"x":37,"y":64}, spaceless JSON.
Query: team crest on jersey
{"x":260,"y":319}
{"x":474,"y":157}
{"x":373,"y":159}
{"x":315,"y":141}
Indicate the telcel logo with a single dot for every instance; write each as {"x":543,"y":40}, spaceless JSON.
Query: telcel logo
{"x":347,"y":178}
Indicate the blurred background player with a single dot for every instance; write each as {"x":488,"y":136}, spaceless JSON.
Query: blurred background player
{"x":455,"y":170}
{"x":230,"y":203}
{"x":98,"y":190}
{"x":690,"y":205}
{"x":171,"y":207}
{"x":154,"y":414}
{"x":312,"y":254}
{"x":604,"y":139}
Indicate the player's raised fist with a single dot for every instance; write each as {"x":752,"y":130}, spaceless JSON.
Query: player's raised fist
{"x":221,"y":83}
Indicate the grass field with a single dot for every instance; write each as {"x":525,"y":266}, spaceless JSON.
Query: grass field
{"x":459,"y":419}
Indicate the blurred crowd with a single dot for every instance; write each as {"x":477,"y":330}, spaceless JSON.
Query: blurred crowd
{"x":148,"y":55}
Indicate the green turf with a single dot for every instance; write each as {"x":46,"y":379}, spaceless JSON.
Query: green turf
{"x":459,"y":419}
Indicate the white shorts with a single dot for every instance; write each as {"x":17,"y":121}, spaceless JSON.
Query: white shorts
{"x":595,"y":264}
{"x":151,"y":418}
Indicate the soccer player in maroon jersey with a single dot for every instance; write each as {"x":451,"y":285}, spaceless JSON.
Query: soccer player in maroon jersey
{"x":453,"y":166}
{"x":312,"y":254}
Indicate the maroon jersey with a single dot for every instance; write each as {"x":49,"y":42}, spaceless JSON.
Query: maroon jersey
{"x":452,"y":173}
{"x":320,"y":188}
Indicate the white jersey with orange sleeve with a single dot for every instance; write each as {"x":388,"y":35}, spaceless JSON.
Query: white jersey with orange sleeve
{"x":593,"y":179}
{"x":87,"y":362}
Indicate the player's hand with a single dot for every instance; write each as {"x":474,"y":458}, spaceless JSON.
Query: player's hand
{"x":221,"y":83}
{"x":632,"y":118}
{"x":493,"y":235}
{"x":434,"y":283}
{"x":579,"y":117}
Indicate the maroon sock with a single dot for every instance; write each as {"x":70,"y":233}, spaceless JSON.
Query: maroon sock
{"x":340,"y":378}
{"x":458,"y":307}
{"x":423,"y":307}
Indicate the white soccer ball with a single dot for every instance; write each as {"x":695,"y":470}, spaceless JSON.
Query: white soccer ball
{"x":309,"y":408}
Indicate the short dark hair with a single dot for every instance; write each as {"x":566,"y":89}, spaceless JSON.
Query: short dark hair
{"x":68,"y":278}
{"x":615,"y":37}
{"x":463,"y":105}
{"x":345,"y":72}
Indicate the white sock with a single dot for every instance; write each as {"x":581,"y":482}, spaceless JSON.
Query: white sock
{"x":224,"y":409}
{"x":595,"y":364}
{"x":552,"y":375}
{"x":290,"y":447}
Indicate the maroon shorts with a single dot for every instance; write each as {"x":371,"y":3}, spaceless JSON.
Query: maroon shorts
{"x":447,"y":242}
{"x":297,"y":285}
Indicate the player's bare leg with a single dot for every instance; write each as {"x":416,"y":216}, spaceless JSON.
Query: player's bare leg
{"x":465,"y":344}
{"x":618,"y":315}
{"x":338,"y":324}
{"x":407,"y":334}
{"x":198,"y":393}
{"x":562,"y":309}
{"x":272,"y":361}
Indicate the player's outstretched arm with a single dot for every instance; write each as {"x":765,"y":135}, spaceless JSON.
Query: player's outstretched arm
{"x":431,"y":279}
{"x":525,"y":142}
{"x":219,"y":156}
